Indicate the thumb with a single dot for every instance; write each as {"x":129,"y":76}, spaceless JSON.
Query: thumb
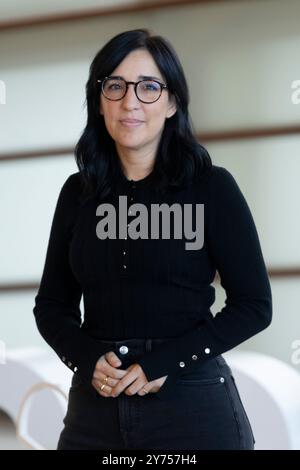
{"x":114,"y":360}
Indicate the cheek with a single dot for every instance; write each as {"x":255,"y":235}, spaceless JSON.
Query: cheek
{"x":111,"y":121}
{"x":156,"y":122}
{"x":158,"y":114}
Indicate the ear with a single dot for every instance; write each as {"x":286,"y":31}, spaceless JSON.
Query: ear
{"x":172,"y":108}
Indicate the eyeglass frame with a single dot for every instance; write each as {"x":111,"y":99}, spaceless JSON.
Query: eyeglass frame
{"x":162,"y":86}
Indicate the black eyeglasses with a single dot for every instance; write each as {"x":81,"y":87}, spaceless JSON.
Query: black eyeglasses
{"x":147,"y":91}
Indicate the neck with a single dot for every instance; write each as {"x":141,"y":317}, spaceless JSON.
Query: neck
{"x":135,"y":164}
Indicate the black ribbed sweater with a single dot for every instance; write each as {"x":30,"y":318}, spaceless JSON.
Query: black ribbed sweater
{"x":152,"y":288}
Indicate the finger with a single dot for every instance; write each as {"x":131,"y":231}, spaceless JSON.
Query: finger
{"x":113,"y":359}
{"x":103,"y":367}
{"x":105,"y":390}
{"x":108,"y":371}
{"x":144,"y":390}
{"x":140,"y":387}
{"x":130,"y":377}
{"x":110,"y":380}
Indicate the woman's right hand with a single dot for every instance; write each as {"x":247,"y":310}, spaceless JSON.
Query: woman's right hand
{"x":106,"y":366}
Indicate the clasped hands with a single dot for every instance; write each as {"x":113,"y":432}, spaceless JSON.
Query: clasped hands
{"x":132,"y":380}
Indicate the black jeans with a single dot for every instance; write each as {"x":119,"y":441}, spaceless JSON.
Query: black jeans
{"x":204,"y":412}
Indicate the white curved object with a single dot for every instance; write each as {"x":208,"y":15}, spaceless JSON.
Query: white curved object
{"x":34,"y":392}
{"x":270,"y":391}
{"x":25,"y":410}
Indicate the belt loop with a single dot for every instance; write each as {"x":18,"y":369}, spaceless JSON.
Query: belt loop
{"x":148,"y":344}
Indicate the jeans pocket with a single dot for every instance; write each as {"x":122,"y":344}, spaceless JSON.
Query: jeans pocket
{"x":200,"y":381}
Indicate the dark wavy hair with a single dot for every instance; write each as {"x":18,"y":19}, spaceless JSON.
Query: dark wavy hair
{"x":180,"y":157}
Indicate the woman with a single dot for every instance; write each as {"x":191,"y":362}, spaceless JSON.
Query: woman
{"x":147,"y":359}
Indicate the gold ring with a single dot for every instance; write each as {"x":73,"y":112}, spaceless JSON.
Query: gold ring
{"x":103,"y":385}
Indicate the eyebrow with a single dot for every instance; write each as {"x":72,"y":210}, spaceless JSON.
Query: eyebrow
{"x":142,"y":77}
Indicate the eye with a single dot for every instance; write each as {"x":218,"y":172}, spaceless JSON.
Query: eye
{"x":151,"y":86}
{"x":114,"y":86}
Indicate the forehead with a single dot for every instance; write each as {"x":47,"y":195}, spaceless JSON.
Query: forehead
{"x":138,"y":65}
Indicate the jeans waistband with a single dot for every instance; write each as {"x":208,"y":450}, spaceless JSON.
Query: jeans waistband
{"x":129,"y":350}
{"x":134,"y":345}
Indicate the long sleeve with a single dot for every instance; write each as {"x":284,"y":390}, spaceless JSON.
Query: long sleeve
{"x":235,"y":249}
{"x":57,"y":312}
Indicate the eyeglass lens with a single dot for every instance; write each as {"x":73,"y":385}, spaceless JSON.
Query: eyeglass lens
{"x":147,"y":90}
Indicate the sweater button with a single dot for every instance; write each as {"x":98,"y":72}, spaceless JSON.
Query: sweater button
{"x":124,"y":266}
{"x":207,"y":350}
{"x":194,"y":357}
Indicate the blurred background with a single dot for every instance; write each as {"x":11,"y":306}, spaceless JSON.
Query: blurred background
{"x":241,"y":60}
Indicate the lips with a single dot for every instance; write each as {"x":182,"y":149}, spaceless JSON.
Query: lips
{"x":131,"y":121}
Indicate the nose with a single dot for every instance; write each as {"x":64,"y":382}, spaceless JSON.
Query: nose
{"x":130,"y":99}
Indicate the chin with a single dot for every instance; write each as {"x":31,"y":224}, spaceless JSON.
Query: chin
{"x":130,"y":143}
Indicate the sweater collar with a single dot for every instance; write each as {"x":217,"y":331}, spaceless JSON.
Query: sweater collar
{"x":127,"y":183}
